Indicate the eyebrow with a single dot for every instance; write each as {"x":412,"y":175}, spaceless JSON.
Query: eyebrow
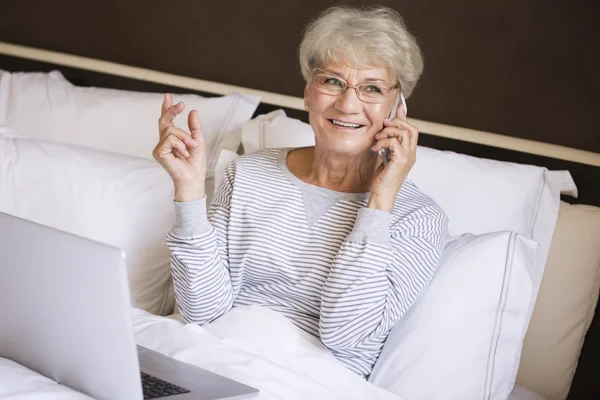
{"x":366,"y":80}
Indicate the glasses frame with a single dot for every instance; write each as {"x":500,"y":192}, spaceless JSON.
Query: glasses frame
{"x":318,"y":71}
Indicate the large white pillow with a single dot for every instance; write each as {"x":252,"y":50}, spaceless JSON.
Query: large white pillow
{"x":461,"y":339}
{"x":123,"y":201}
{"x":481,"y":195}
{"x":480,"y":187}
{"x":47,"y":106}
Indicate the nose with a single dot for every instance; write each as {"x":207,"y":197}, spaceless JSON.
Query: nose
{"x":348,"y":103}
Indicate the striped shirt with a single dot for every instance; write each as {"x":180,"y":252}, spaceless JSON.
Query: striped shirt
{"x":346,"y":274}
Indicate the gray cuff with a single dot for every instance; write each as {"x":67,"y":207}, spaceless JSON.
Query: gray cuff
{"x":190,"y":218}
{"x":371,"y":226}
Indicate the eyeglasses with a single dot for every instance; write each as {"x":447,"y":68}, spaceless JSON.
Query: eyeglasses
{"x":328,"y":83}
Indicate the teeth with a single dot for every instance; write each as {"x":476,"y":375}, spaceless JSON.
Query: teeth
{"x":347,"y":125}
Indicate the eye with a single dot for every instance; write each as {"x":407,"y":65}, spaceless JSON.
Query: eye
{"x":333,"y":82}
{"x":373,"y":89}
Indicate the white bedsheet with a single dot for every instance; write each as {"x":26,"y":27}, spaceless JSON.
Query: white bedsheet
{"x":253,"y":345}
{"x":20,"y":383}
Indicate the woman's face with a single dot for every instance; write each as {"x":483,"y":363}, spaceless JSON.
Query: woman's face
{"x":327,"y":112}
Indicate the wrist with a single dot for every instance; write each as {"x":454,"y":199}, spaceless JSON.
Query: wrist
{"x":189,"y":192}
{"x":382,"y":203}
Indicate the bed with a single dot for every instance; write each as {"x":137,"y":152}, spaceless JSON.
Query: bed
{"x":556,"y":366}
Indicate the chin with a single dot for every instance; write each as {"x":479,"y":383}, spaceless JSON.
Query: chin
{"x":343,"y":145}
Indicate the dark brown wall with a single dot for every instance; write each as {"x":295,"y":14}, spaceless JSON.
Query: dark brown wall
{"x":523,"y":68}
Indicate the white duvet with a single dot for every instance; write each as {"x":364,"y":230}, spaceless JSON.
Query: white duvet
{"x":253,"y":345}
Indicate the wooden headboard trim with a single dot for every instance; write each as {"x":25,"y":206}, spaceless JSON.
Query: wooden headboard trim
{"x":431,"y":128}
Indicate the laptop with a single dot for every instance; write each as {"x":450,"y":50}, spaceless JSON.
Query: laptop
{"x":65,"y":312}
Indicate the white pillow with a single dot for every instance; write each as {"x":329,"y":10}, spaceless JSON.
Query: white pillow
{"x":461,"y":339}
{"x":123,"y":201}
{"x":481,"y":195}
{"x":47,"y":106}
{"x":275,"y":130}
{"x":463,"y":184}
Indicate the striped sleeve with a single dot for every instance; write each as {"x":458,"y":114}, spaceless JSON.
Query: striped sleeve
{"x":379,"y":272}
{"x":199,"y":257}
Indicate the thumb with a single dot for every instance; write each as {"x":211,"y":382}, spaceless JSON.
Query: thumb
{"x":195,"y":127}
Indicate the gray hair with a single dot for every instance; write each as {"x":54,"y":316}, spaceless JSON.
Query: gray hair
{"x":362,"y":37}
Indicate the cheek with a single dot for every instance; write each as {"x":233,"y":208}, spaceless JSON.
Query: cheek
{"x":378,"y":113}
{"x":318,"y":107}
{"x":320,"y":103}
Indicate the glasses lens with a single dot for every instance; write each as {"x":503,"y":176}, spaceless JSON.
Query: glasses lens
{"x":372,"y":93}
{"x":329,"y":84}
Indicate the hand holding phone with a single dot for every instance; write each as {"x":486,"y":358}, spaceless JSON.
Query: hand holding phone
{"x":385,"y":153}
{"x":401,"y":138}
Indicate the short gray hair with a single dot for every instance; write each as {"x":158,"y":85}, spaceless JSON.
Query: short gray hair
{"x":362,"y":37}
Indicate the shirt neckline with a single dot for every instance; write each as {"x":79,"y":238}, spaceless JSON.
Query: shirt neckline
{"x":332,"y":194}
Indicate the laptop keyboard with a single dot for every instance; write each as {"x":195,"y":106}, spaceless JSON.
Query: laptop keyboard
{"x":154,"y":388}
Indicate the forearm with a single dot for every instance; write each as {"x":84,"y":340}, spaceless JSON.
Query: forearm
{"x":356,"y":292}
{"x":199,"y":266}
{"x":377,"y":277}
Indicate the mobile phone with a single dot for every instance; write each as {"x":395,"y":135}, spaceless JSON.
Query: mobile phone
{"x":385,"y":153}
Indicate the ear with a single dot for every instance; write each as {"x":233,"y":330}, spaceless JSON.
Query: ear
{"x":306,"y":97}
{"x":403,"y":102}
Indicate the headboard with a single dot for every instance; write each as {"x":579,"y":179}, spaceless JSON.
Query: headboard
{"x":526,"y":71}
{"x":523,"y":69}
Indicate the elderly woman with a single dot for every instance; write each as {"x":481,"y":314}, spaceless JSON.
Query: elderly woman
{"x":326,"y":235}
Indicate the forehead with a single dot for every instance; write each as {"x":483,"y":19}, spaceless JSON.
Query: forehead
{"x":359,"y":74}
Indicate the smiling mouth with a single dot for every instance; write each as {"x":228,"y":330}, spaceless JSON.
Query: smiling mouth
{"x":345,"y":124}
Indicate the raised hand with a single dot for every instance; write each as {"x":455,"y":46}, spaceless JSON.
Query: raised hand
{"x":181,"y":154}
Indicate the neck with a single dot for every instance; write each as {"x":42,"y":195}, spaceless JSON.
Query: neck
{"x":335,"y":171}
